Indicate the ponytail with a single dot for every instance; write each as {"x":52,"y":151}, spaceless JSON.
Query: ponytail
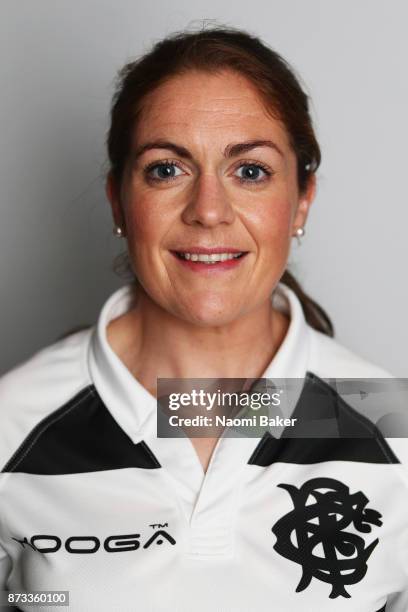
{"x":314,"y":314}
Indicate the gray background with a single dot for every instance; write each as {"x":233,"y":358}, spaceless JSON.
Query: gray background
{"x":57,"y":65}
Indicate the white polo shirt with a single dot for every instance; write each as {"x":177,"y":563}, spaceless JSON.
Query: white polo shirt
{"x":93,"y":502}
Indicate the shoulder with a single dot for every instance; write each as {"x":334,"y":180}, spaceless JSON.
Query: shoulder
{"x":42,"y":384}
{"x":331,"y":359}
{"x":384,"y":402}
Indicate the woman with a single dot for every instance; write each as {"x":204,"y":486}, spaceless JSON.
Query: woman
{"x":213,"y":171}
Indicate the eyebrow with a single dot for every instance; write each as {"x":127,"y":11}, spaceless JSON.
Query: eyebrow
{"x":231,"y":150}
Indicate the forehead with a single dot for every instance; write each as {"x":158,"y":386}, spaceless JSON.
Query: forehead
{"x":218,"y":106}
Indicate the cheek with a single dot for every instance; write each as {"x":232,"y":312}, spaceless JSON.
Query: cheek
{"x":272,"y":220}
{"x":146,"y":222}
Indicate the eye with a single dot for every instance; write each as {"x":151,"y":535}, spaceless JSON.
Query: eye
{"x":162,"y":171}
{"x":166,"y":170}
{"x":252,"y":172}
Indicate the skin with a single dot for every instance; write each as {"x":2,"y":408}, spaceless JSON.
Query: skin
{"x":187,"y":324}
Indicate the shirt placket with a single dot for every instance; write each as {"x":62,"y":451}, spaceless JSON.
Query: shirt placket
{"x":209,"y":501}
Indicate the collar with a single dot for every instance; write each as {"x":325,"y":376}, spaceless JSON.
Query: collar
{"x":135,"y":409}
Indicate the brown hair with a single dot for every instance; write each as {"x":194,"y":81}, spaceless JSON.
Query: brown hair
{"x":209,"y":50}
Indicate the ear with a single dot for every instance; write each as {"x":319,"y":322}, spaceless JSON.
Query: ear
{"x":113,"y":195}
{"x":304,"y":204}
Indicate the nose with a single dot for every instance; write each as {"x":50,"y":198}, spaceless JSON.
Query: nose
{"x":208,"y":203}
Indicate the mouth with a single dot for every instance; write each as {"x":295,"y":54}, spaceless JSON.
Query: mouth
{"x":206,"y":259}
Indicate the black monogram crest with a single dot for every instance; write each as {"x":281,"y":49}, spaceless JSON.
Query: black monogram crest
{"x":323,"y":509}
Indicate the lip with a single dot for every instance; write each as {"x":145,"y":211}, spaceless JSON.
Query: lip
{"x":209,"y":269}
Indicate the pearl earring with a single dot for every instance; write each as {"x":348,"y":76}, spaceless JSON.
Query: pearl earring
{"x":118,"y":232}
{"x":300,"y":232}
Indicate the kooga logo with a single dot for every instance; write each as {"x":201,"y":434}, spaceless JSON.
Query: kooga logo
{"x":83,"y":545}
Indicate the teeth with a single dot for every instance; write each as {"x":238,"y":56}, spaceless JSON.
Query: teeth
{"x":210,"y":259}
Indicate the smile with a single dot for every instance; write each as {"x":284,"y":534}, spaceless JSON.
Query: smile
{"x":216,"y":261}
{"x":212,"y":258}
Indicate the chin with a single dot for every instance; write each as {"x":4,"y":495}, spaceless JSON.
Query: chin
{"x":211,"y":317}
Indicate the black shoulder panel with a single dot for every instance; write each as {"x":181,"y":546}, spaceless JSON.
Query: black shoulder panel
{"x":343,"y":433}
{"x":81,"y":436}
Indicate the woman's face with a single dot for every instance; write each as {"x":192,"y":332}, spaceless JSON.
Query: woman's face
{"x":188,"y":185}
